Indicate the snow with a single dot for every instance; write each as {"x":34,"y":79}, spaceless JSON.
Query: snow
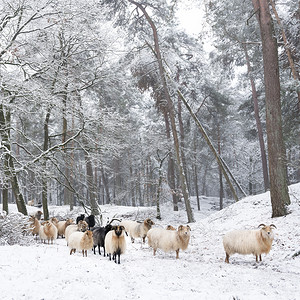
{"x":42,"y":271}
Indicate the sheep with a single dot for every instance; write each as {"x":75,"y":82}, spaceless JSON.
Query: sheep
{"x":255,"y":242}
{"x":35,"y":226}
{"x":136,"y":229}
{"x":169,"y":240}
{"x":62,"y":225}
{"x":38,"y":214}
{"x":80,"y":218}
{"x":81,"y":241}
{"x":115,"y":243}
{"x":91,"y":221}
{"x":99,"y":234}
{"x":48,"y":232}
{"x":81,"y":226}
{"x":31,"y":202}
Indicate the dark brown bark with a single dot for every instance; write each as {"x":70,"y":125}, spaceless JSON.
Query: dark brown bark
{"x":276,"y":150}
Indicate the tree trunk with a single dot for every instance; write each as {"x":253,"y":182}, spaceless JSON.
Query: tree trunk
{"x":44,"y":179}
{"x":196,"y":172}
{"x":9,"y":168}
{"x":106,"y":187}
{"x":90,"y":184}
{"x":221,"y":194}
{"x":171,"y":167}
{"x":276,"y":150}
{"x":258,"y":123}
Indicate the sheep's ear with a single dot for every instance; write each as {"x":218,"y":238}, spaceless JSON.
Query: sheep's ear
{"x":122,"y":227}
{"x":180,"y":227}
{"x":189,"y":227}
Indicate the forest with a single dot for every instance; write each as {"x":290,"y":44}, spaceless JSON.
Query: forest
{"x":115,"y":102}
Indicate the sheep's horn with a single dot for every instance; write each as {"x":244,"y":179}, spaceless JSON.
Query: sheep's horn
{"x":272,"y":225}
{"x":263,"y":225}
{"x":114,"y":219}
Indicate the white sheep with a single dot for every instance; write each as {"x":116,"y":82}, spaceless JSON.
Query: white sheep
{"x":48,"y":231}
{"x":62,"y":225}
{"x":254,"y":242}
{"x":136,"y":229}
{"x":81,"y":226}
{"x":81,"y":241}
{"x":169,"y":240}
{"x":115,"y":243}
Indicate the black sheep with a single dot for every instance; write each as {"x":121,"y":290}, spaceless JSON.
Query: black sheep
{"x":80,"y":218}
{"x":91,"y":221}
{"x":99,"y":234}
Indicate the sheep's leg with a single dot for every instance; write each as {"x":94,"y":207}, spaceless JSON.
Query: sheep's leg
{"x":94,"y":249}
{"x":99,"y":249}
{"x":119,"y":258}
{"x":109,"y":255}
{"x":227,"y":258}
{"x":104,"y":251}
{"x":144,"y":239}
{"x":132,"y":240}
{"x":154,"y":251}
{"x":71,"y":251}
{"x":260,"y":258}
{"x":177,"y":253}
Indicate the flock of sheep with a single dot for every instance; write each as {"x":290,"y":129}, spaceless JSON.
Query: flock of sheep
{"x":84,"y":235}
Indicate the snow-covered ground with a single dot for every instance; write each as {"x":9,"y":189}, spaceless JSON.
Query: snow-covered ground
{"x":42,"y":271}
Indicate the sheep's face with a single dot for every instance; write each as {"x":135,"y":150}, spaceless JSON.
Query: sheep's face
{"x":184,"y":230}
{"x":82,"y":226}
{"x":54,"y":220}
{"x":267,"y":231}
{"x":118,"y":230}
{"x":149,"y":222}
{"x":89,"y":234}
{"x":69,"y":222}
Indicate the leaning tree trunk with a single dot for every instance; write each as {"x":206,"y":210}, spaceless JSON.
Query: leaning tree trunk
{"x":276,"y":150}
{"x":171,"y":113}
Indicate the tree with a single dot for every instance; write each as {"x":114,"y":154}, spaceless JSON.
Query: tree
{"x":276,"y":150}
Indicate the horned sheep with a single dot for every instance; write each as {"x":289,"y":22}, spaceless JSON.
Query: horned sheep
{"x":169,"y":240}
{"x":80,"y":241}
{"x":115,"y":243}
{"x":136,"y":229}
{"x":254,"y":242}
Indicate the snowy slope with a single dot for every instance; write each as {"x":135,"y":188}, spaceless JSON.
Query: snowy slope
{"x":48,"y":271}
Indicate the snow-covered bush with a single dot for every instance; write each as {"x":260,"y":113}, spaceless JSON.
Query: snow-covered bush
{"x":13,"y":229}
